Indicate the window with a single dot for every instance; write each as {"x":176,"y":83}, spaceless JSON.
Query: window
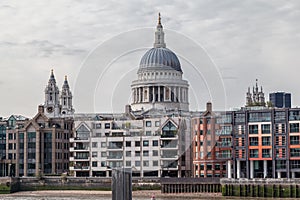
{"x":10,"y":136}
{"x":137,"y":143}
{"x":148,"y":123}
{"x":137,"y":163}
{"x":295,"y":164}
{"x":157,"y":123}
{"x":209,"y":166}
{"x":253,"y":129}
{"x":128,"y":153}
{"x":107,"y":125}
{"x":202,"y":167}
{"x":217,"y":167}
{"x":169,"y":130}
{"x":148,"y":133}
{"x":103,"y":144}
{"x":266,"y":153}
{"x":295,"y":152}
{"x":128,"y":163}
{"x":145,"y":153}
{"x":128,"y":143}
{"x":146,"y":163}
{"x":294,"y":140}
{"x":98,"y":125}
{"x":155,"y":143}
{"x":94,"y":164}
{"x":253,"y":141}
{"x":265,"y":128}
{"x":94,"y":144}
{"x":253,"y":153}
{"x":266,"y":141}
{"x":280,"y":164}
{"x":155,"y":163}
{"x":294,"y":127}
{"x":103,"y":154}
{"x":145,"y":143}
{"x":94,"y":154}
{"x":137,"y":153}
{"x":154,"y":153}
{"x":260,"y":117}
{"x":103,"y":164}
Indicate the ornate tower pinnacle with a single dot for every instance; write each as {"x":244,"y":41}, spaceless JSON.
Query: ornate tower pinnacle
{"x":66,"y":99}
{"x":52,"y":104}
{"x":159,"y":35}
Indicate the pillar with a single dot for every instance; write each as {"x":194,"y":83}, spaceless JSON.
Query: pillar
{"x":265,"y":169}
{"x":228,"y":169}
{"x":158,"y":91}
{"x":153,"y":94}
{"x":121,"y":184}
{"x":278,"y":174}
{"x":293,"y":175}
{"x":251,"y":169}
{"x":179,"y":94}
{"x":238,"y":169}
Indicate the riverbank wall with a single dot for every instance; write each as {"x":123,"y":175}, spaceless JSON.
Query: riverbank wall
{"x":271,"y":188}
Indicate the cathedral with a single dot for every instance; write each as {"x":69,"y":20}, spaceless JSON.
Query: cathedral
{"x":160,"y":84}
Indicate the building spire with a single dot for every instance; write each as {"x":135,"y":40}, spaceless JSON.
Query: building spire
{"x":52,"y":78}
{"x":159,"y":35}
{"x":159,"y":19}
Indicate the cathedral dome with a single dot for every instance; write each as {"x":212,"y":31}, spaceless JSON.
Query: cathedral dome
{"x":160,"y":58}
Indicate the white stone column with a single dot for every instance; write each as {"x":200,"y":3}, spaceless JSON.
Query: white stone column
{"x":164,"y":99}
{"x":228,"y":169}
{"x":158,"y":90}
{"x":265,"y":169}
{"x":251,"y":169}
{"x":238,"y":169}
{"x":293,"y":175}
{"x":278,"y":174}
{"x":153,"y":94}
{"x":179,"y":94}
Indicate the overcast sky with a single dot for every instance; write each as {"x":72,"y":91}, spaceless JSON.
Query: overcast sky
{"x":245,"y":40}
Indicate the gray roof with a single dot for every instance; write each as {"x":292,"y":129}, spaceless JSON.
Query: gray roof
{"x":160,"y":58}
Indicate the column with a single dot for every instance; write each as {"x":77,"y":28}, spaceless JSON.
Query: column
{"x":148,"y":94}
{"x":164,"y":99}
{"x":179,"y":94}
{"x":278,"y":174}
{"x":238,"y":169}
{"x":251,"y":169}
{"x":153,"y":94}
{"x":293,"y":175}
{"x":228,"y":169}
{"x":158,"y":91}
{"x":265,"y":169}
{"x":140,"y":93}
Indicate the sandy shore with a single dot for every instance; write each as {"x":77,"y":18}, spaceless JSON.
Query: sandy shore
{"x":143,"y":193}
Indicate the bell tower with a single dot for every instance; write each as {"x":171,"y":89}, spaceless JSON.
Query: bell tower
{"x":52,"y":104}
{"x":66,"y":99}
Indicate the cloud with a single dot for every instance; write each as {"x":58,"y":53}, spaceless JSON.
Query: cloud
{"x":246,"y":39}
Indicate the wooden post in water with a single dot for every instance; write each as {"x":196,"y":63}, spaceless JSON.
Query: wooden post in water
{"x":121,"y":184}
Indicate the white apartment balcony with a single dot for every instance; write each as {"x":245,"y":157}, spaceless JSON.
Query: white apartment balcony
{"x":169,"y":157}
{"x":78,"y":139}
{"x":79,"y":149}
{"x":81,"y":168}
{"x":76,"y":158}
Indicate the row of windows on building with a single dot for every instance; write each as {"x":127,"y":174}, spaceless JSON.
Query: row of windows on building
{"x":126,"y":125}
{"x":253,"y":117}
{"x":120,"y":154}
{"x":145,"y":143}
